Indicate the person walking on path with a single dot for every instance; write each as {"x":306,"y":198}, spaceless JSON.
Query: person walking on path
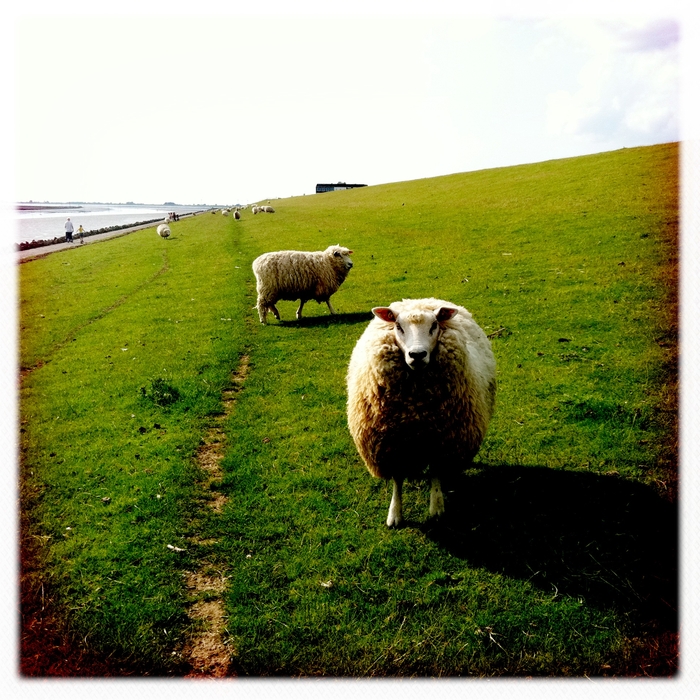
{"x":69,"y":230}
{"x":81,"y":231}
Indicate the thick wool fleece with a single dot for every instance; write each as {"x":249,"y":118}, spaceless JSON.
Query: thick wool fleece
{"x":416,"y":423}
{"x":292,"y":274}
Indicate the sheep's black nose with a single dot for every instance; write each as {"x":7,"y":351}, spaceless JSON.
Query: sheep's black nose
{"x":417,"y":355}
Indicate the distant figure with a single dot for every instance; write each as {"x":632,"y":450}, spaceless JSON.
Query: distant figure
{"x":81,"y":231}
{"x":69,"y":230}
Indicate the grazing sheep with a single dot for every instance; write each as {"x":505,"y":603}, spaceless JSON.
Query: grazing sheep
{"x":163,"y":230}
{"x":267,"y":209}
{"x":421,"y":390}
{"x":236,"y":215}
{"x":255,"y":209}
{"x":295,"y":274}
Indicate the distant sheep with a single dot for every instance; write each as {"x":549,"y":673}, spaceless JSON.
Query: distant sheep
{"x":421,"y":390}
{"x":255,"y":209}
{"x":294,"y":274}
{"x":267,"y":209}
{"x":236,"y":215}
{"x":163,"y":230}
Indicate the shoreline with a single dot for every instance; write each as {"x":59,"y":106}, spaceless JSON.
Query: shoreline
{"x":47,"y":207}
{"x":45,"y":242}
{"x":30,"y":254}
{"x":42,"y":223}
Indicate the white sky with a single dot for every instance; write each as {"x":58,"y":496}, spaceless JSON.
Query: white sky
{"x":226,"y":108}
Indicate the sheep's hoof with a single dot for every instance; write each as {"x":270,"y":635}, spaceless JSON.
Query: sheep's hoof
{"x":437,"y":503}
{"x":394,"y":523}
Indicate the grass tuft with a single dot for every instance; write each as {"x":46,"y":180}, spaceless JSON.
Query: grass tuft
{"x":160,"y":392}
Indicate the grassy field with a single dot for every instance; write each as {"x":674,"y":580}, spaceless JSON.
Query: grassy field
{"x":558,"y":553}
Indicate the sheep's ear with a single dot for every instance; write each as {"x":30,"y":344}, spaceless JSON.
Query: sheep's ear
{"x":385,"y":313}
{"x":445,"y":314}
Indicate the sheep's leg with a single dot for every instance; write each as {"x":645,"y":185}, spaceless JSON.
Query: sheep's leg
{"x":395,"y":516}
{"x":437,"y":502}
{"x":330,"y":307}
{"x":273,"y":308}
{"x":301,"y":306}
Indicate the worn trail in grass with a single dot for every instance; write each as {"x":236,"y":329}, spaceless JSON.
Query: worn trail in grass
{"x":110,"y":424}
{"x":206,"y":651}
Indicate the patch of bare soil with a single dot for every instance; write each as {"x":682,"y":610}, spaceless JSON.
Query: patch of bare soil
{"x":46,"y":646}
{"x":206,"y":652}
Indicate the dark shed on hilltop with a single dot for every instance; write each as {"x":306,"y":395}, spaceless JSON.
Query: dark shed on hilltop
{"x":336,"y":186}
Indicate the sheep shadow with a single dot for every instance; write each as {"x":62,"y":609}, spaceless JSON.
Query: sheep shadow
{"x":329,"y":320}
{"x":612,"y":542}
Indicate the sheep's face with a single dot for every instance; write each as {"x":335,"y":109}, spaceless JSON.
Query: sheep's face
{"x":341,"y":256}
{"x":416,"y":332}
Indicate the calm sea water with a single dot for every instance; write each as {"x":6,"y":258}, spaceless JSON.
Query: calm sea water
{"x":47,"y":223}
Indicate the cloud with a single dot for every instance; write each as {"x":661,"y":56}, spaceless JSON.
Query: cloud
{"x":627,"y":89}
{"x":657,"y":35}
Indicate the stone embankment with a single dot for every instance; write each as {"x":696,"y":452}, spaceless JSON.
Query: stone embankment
{"x":37,"y":249}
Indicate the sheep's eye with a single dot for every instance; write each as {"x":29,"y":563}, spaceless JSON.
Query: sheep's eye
{"x":337,"y":254}
{"x":433,"y":328}
{"x":398,"y":327}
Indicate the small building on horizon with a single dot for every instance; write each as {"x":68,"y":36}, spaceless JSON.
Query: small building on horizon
{"x":337,"y":186}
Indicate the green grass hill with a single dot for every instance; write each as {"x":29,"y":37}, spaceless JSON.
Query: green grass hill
{"x":187,"y":474}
